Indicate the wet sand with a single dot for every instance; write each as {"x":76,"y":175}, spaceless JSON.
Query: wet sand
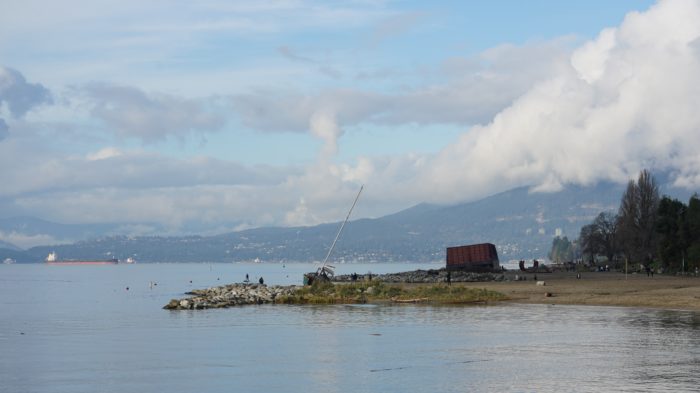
{"x":602,"y":289}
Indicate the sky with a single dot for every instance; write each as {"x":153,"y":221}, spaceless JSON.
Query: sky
{"x":213,"y":116}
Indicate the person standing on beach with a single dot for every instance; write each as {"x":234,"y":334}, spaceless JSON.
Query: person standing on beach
{"x":261,"y":281}
{"x":449,"y":278}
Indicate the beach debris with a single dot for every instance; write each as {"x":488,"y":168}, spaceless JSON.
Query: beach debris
{"x":541,"y":283}
{"x":417,"y":300}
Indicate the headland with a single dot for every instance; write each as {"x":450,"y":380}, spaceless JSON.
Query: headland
{"x":564,"y":288}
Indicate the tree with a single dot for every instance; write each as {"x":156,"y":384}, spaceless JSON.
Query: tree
{"x":600,"y":237}
{"x":692,"y":225}
{"x":606,"y":235}
{"x":562,"y":250}
{"x":626,"y":220}
{"x":588,"y":242}
{"x":672,"y":229}
{"x":637,"y":217}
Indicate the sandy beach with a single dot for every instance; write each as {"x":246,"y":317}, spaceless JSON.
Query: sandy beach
{"x":602,"y":289}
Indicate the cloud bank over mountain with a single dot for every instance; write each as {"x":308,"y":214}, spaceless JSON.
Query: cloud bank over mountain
{"x":627,"y":101}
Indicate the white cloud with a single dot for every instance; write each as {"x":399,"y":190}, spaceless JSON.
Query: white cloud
{"x":628,"y":101}
{"x":590,"y":60}
{"x":130,"y":112}
{"x":41,"y":175}
{"x":539,"y":114}
{"x":468,"y":90}
{"x":25,"y":241}
{"x":103,"y":154}
{"x":324,"y":126}
{"x":300,"y":215}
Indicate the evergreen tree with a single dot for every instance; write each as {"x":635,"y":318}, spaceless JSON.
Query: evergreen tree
{"x":673,"y":235}
{"x":692,"y":225}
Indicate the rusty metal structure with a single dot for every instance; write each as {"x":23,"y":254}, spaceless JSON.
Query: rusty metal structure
{"x":474,"y":257}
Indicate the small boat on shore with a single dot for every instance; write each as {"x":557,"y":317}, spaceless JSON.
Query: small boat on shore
{"x":52,"y":259}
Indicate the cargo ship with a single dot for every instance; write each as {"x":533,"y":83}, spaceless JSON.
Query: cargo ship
{"x":51,"y":259}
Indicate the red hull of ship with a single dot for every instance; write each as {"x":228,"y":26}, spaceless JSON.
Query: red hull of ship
{"x":82,"y":263}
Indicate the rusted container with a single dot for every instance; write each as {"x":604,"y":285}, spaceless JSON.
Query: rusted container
{"x":476,"y":257}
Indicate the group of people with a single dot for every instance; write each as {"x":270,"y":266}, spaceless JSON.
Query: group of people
{"x":247,"y":280}
{"x":355,"y":276}
{"x":649,"y":270}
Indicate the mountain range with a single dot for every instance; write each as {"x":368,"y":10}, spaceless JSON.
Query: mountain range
{"x":521,"y":223}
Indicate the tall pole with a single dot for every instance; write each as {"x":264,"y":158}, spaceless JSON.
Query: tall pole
{"x":626,"y":259}
{"x":341,"y":227}
{"x":683,"y":268}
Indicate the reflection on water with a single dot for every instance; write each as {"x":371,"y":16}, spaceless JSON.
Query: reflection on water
{"x":80,"y":330}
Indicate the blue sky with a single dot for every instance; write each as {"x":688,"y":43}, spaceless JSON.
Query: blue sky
{"x":227,"y":115}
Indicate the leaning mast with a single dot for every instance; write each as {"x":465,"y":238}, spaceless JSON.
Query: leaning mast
{"x":341,"y":229}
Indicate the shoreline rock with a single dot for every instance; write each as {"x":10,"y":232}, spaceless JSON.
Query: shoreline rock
{"x":230,"y":296}
{"x":239,"y":294}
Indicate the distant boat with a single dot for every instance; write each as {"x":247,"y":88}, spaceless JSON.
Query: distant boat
{"x":52,"y":259}
{"x":130,"y":260}
{"x":9,"y":261}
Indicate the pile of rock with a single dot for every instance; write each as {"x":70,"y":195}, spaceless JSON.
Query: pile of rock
{"x":230,"y":295}
{"x":425,"y":276}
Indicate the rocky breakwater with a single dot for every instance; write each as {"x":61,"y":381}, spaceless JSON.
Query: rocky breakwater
{"x":231,"y":295}
{"x":431,"y":276}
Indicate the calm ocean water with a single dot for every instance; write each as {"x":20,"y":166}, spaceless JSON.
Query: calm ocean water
{"x":78,"y":329}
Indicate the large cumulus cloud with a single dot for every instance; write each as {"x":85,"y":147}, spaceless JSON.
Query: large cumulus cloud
{"x":627,"y":101}
{"x":623,"y":101}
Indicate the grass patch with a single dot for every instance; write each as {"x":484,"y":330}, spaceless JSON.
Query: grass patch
{"x":377,"y":291}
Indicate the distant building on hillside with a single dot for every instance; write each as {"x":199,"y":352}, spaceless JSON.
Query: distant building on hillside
{"x":475,"y":257}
